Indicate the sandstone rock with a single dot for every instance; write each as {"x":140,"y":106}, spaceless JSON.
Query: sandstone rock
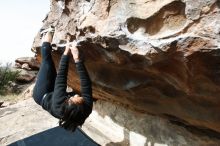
{"x":17,"y":65}
{"x":124,"y":127}
{"x":25,"y":66}
{"x":157,"y":57}
{"x":30,"y":61}
{"x":28,"y":92}
{"x":14,"y":87}
{"x":25,"y":76}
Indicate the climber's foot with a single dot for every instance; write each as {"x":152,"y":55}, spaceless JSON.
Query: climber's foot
{"x":43,"y":32}
{"x":47,"y":34}
{"x":49,"y":29}
{"x":48,"y":37}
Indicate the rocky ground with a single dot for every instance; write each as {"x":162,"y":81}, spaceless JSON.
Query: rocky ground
{"x":18,"y":112}
{"x":23,"y":119}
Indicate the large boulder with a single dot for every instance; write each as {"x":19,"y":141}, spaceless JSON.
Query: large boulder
{"x":25,"y":76}
{"x":156,"y":57}
{"x":27,"y":63}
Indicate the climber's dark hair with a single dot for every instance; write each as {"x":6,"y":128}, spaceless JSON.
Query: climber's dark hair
{"x":71,"y":117}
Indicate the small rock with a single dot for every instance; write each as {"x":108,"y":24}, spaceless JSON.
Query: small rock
{"x":25,"y":76}
{"x":18,"y":65}
{"x":25,"y":66}
{"x":28,"y":92}
{"x":31,"y":61}
{"x":205,"y":9}
{"x":12,"y":84}
{"x":12,"y":87}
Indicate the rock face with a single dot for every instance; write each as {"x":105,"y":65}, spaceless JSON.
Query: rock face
{"x":159,"y":57}
{"x":115,"y":125}
{"x":28,"y":63}
{"x":27,"y":68}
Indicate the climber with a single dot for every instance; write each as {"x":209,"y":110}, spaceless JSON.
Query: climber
{"x":50,"y":88}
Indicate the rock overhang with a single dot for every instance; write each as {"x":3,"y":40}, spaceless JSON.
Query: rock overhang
{"x":166,"y":65}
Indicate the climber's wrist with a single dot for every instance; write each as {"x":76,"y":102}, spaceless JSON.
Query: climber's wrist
{"x":76,"y":59}
{"x":66,"y":52}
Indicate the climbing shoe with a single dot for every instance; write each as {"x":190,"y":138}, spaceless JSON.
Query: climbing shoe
{"x":50,"y":29}
{"x":44,"y":31}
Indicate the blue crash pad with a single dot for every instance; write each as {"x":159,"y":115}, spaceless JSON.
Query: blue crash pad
{"x":57,"y":137}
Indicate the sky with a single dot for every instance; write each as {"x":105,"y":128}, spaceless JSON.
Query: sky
{"x":20,"y":22}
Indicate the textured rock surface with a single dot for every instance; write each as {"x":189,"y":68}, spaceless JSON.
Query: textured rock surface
{"x":28,"y":63}
{"x":25,"y":76}
{"x":111,"y":124}
{"x":23,"y":119}
{"x":156,"y":56}
{"x":27,"y":68}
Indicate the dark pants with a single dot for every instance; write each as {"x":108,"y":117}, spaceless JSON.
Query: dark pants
{"x":46,"y":75}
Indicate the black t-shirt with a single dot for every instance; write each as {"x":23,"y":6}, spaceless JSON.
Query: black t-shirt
{"x":54,"y":102}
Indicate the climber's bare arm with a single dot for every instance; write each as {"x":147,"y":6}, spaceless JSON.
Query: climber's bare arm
{"x":67,"y":48}
{"x":76,"y":99}
{"x":75,"y":53}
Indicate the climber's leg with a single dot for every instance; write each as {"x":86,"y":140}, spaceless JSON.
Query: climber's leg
{"x":47,"y":73}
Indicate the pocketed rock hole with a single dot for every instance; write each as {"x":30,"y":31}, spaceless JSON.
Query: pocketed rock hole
{"x":170,"y":18}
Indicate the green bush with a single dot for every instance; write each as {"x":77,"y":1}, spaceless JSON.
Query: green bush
{"x":6,"y":76}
